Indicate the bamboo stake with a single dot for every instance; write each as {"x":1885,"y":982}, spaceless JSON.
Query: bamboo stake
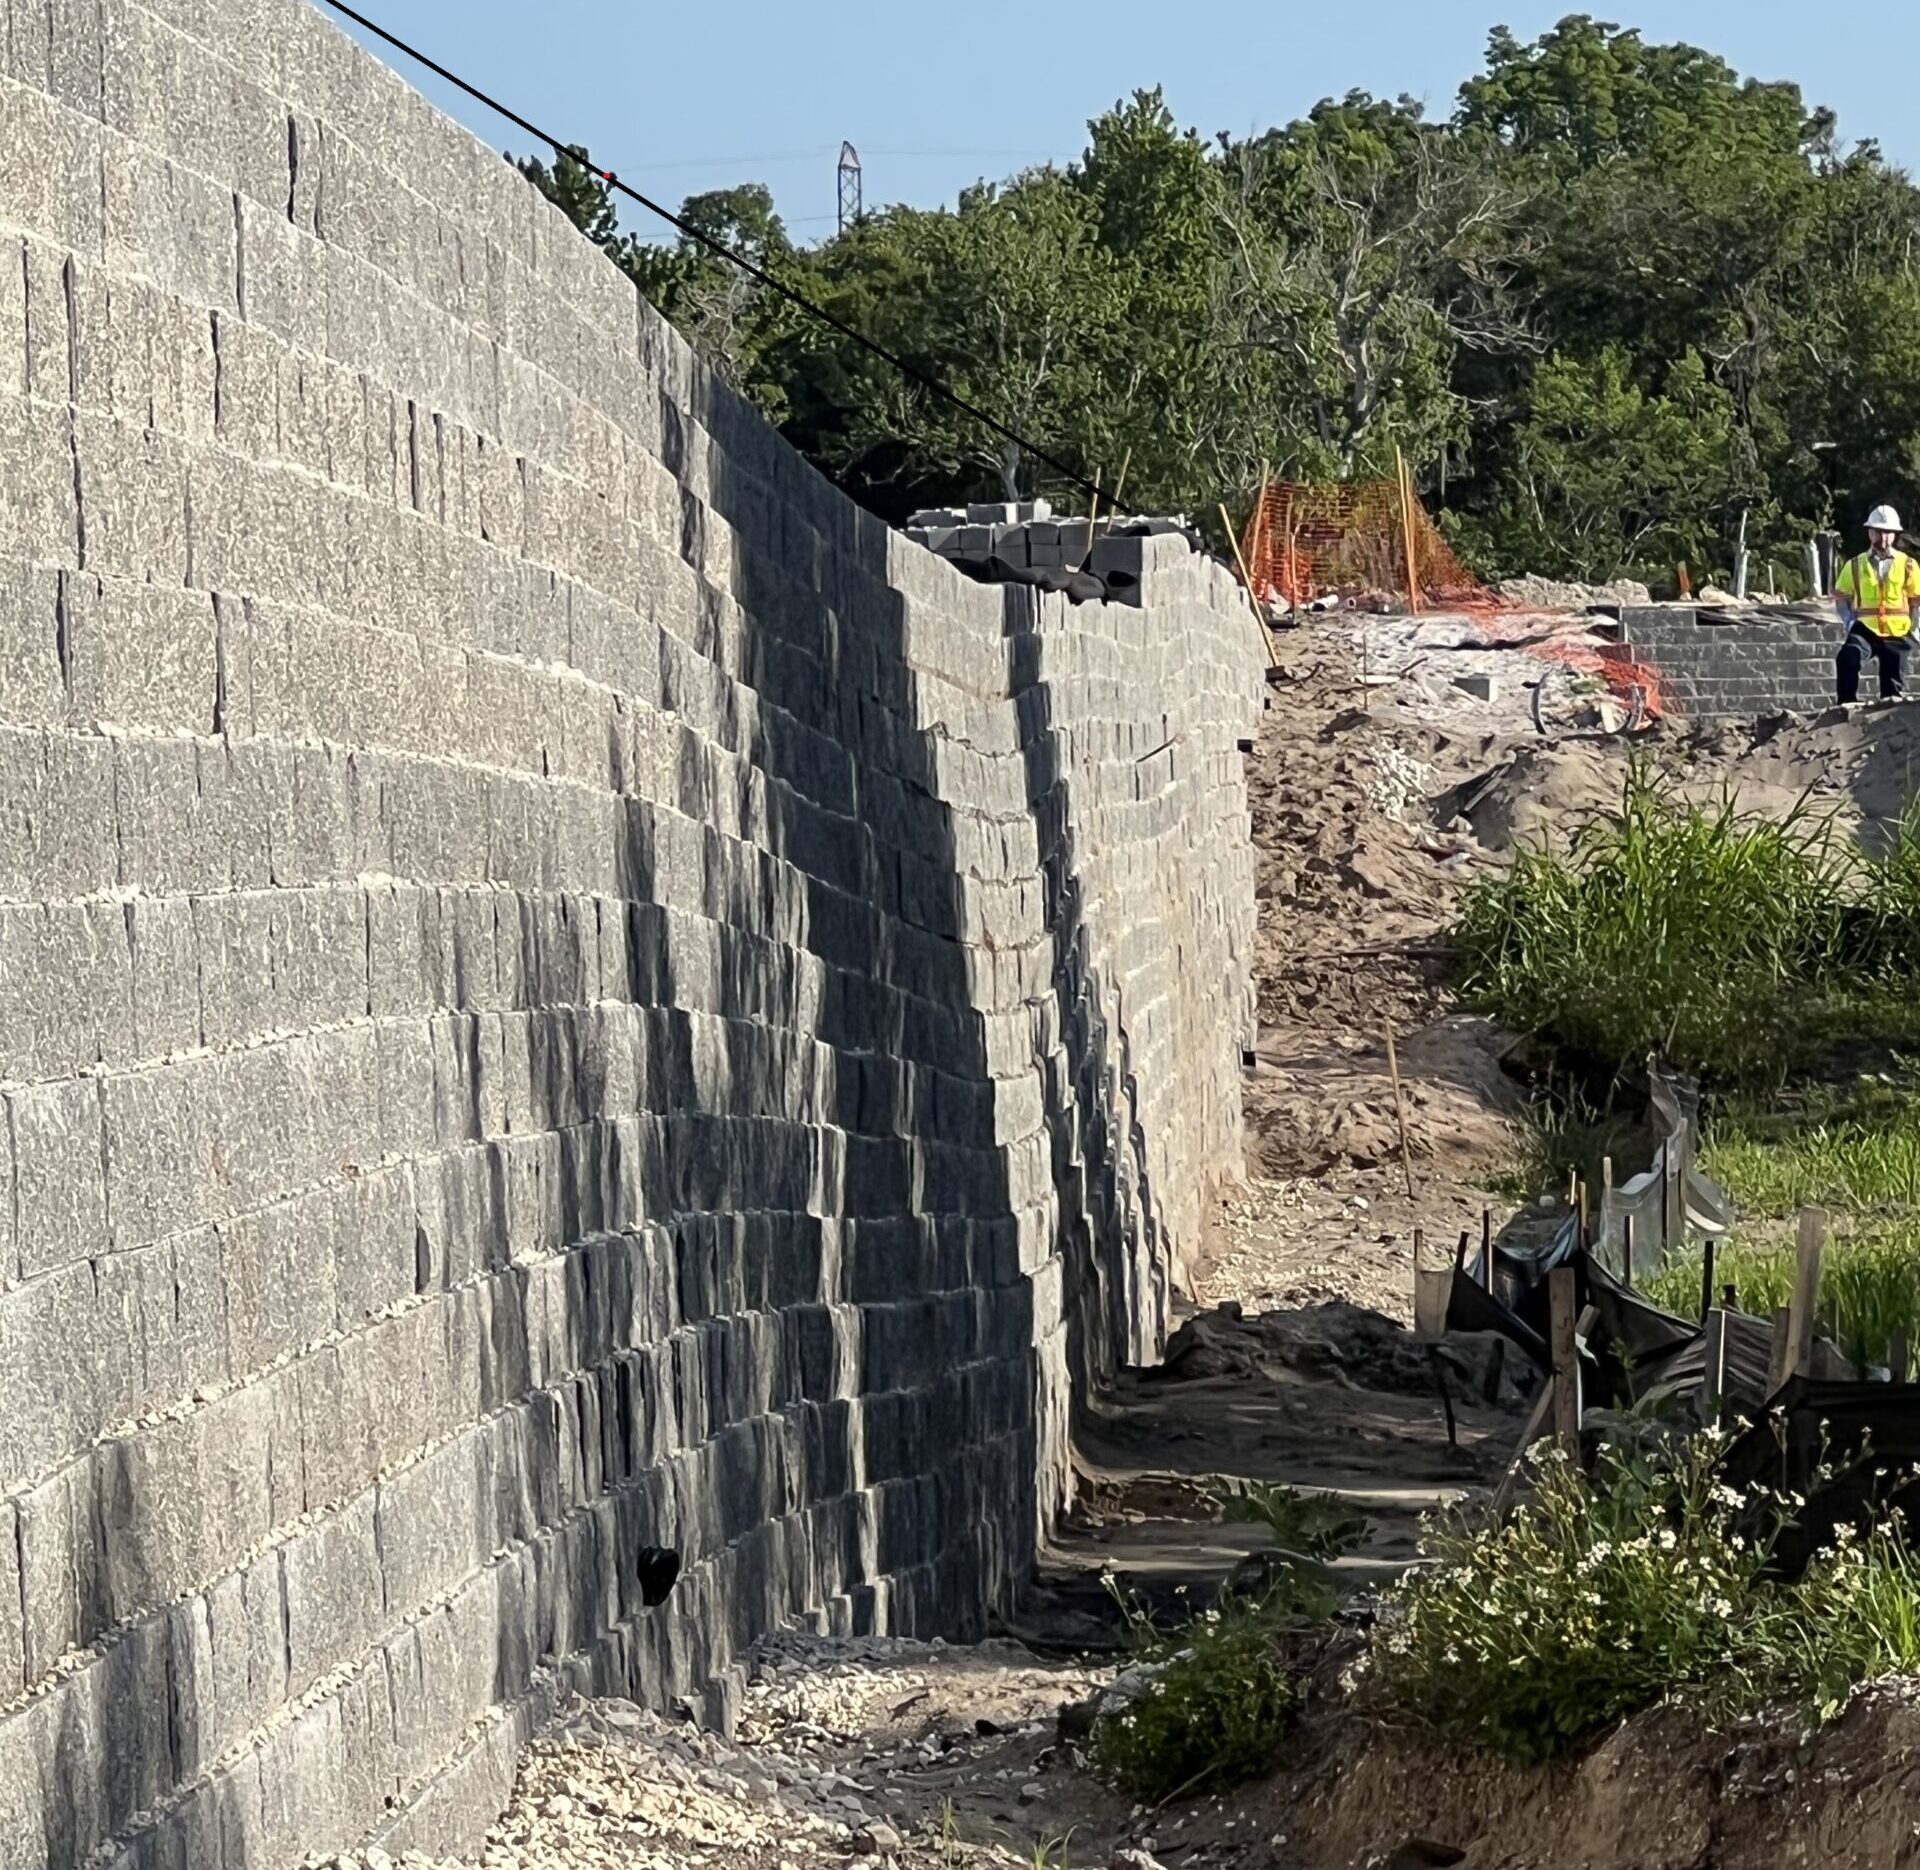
{"x":1400,"y":1112}
{"x":1113,"y":506}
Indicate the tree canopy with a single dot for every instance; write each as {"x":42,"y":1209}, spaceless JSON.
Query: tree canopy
{"x":1619,"y":299}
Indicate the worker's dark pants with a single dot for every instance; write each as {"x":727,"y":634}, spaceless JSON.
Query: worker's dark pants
{"x":1889,"y":651}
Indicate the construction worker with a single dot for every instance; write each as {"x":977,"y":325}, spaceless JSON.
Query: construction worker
{"x":1876,"y":595}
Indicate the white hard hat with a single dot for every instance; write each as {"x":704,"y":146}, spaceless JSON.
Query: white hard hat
{"x":1883,"y":519}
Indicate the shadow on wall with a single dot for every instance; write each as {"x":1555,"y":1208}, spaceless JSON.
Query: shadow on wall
{"x":810,"y":1367}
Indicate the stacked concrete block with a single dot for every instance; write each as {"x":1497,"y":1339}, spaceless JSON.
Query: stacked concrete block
{"x":1713,"y":670}
{"x":561,"y":989}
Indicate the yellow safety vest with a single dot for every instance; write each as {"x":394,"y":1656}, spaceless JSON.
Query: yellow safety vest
{"x":1886,"y":610}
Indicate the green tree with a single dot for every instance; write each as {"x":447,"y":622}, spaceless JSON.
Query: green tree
{"x":1607,"y":479}
{"x":578,"y":190}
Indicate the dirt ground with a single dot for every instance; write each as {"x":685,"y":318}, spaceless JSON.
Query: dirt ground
{"x":1380,"y":787}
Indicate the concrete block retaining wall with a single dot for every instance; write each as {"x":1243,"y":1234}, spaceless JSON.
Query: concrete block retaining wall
{"x":1738,"y":670}
{"x":561,"y":990}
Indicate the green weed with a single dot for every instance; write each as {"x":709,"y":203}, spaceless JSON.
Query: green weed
{"x":1218,"y":1709}
{"x":1311,"y":1525}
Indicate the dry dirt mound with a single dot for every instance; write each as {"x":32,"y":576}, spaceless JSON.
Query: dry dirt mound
{"x":1861,"y":764}
{"x":1658,"y":1794}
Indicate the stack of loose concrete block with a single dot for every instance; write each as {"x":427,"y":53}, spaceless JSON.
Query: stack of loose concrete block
{"x":1028,"y":537}
{"x":562,"y":990}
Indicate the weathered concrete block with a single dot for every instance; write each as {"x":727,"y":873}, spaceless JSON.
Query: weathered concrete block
{"x":59,"y":1174}
{"x":141,"y":655}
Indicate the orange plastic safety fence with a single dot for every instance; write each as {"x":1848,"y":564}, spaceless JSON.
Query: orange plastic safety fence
{"x":1305,"y":542}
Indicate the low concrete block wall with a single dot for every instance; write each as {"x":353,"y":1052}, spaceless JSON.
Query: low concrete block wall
{"x":1717,"y":671}
{"x":561,"y":990}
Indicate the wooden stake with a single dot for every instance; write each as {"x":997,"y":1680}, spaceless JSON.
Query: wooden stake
{"x":1446,"y":1398}
{"x":1713,"y":1384}
{"x":1780,"y":1353}
{"x":1486,"y":1248}
{"x":1239,"y":558}
{"x":1626,"y":1250}
{"x":1536,"y":1418}
{"x":1400,"y":1112}
{"x":1808,"y":1247}
{"x":1566,"y":1360}
{"x":1897,"y":1357}
{"x":1406,"y":530}
{"x":1706,"y":1281}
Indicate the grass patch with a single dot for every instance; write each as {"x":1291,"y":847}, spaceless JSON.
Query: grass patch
{"x":1857,"y":1150}
{"x":1869,"y":1287}
{"x":1731,"y":944}
{"x":1607,"y":1594}
{"x":1219,"y":1693}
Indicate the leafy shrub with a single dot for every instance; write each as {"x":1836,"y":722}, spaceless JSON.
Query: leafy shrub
{"x":1607,"y":1594}
{"x":1216,"y":1711}
{"x":1223,"y":1689}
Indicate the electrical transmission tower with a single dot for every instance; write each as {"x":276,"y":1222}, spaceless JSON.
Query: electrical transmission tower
{"x":849,"y":186}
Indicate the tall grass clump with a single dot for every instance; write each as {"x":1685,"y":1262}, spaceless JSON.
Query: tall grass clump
{"x":1869,"y":1287}
{"x":1643,"y":1583}
{"x":1704,"y":933}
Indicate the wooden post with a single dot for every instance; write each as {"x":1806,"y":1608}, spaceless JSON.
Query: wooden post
{"x":1460,"y":1258}
{"x":1808,"y":1247}
{"x":1486,"y":1248}
{"x":1896,"y":1357}
{"x":1713,"y":1384}
{"x":1400,"y":1111}
{"x":1566,"y":1361}
{"x":1496,"y":1368}
{"x":1706,"y":1281}
{"x":1626,"y":1249}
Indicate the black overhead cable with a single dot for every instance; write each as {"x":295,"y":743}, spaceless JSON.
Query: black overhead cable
{"x":571,"y":153}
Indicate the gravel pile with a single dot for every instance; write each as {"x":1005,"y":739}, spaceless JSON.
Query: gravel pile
{"x":847,"y":1751}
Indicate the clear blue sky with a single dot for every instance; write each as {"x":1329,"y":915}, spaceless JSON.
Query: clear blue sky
{"x":687,"y":96}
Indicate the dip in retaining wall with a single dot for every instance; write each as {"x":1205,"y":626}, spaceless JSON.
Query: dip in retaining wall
{"x":561,"y":991}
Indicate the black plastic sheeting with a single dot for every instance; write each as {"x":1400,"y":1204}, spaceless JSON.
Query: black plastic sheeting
{"x":1866,"y":1438}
